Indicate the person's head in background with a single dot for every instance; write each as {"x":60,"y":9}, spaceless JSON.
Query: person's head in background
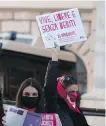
{"x":68,"y":90}
{"x":30,"y":96}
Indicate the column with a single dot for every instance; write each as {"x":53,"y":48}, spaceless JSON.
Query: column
{"x":96,"y":98}
{"x":99,"y":67}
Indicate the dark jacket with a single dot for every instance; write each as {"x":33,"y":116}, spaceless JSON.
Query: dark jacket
{"x":1,"y":108}
{"x":55,"y":104}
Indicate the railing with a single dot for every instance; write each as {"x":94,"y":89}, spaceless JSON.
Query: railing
{"x":93,"y":112}
{"x":86,"y":111}
{"x":9,"y":102}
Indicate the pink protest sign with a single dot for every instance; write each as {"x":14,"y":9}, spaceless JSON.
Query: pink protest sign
{"x":61,"y":28}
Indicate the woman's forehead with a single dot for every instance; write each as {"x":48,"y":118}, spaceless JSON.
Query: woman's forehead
{"x":30,"y":89}
{"x":74,"y":87}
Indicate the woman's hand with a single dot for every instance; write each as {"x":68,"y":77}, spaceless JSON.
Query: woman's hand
{"x":4,"y":121}
{"x":55,"y":53}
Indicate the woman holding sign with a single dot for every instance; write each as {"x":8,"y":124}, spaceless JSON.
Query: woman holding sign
{"x":29,"y":97}
{"x":61,"y":95}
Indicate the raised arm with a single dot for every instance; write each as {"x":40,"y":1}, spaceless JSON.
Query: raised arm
{"x":50,"y":87}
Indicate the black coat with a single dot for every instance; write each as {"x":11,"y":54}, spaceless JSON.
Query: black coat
{"x":54,"y":104}
{"x":1,"y":108}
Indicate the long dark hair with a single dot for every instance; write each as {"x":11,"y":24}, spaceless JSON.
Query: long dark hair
{"x":1,"y":107}
{"x":34,"y":83}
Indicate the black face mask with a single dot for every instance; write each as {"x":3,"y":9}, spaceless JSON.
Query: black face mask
{"x":30,"y":102}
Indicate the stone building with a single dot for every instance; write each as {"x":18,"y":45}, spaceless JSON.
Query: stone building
{"x":88,"y":56}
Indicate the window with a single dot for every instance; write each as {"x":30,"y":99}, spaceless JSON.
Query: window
{"x":15,"y":77}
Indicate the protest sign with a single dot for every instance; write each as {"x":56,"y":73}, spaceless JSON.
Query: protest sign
{"x":61,"y":28}
{"x":50,"y":120}
{"x":20,"y":117}
{"x":15,"y":116}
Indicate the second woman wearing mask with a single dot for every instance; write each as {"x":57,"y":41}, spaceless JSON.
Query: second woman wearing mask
{"x":30,"y":97}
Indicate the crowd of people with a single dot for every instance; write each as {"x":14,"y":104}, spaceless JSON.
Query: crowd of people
{"x":60,"y":96}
